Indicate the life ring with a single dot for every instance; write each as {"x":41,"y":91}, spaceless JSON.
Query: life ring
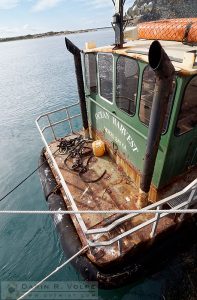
{"x":181,"y":30}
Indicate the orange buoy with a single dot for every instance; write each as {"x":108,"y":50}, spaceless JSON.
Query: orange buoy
{"x":181,"y":30}
{"x":98,"y":148}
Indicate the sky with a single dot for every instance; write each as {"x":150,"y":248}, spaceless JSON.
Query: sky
{"x":20,"y":17}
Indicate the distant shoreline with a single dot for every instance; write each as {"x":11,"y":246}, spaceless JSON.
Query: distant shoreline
{"x":48,"y":34}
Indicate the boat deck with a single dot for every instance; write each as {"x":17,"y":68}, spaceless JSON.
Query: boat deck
{"x":114,"y":191}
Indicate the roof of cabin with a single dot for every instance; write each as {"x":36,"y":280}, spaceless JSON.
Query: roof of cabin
{"x":183,"y":56}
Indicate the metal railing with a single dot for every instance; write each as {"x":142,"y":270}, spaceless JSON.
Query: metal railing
{"x":186,"y":197}
{"x":51,"y":125}
{"x":183,"y":199}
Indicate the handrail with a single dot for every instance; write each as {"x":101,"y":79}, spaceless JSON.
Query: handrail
{"x":61,"y":179}
{"x":158,"y":215}
{"x":51,"y":124}
{"x":105,"y":229}
{"x":97,"y":233}
{"x":59,"y":122}
{"x":56,"y":110}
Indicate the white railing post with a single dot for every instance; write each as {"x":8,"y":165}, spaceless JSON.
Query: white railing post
{"x":69,"y":121}
{"x":191,"y":197}
{"x":51,"y":126}
{"x":154,"y":227}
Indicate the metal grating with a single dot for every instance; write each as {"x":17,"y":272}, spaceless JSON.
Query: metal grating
{"x":180,"y":199}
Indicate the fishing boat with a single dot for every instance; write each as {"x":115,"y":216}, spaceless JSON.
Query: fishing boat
{"x":123,"y":158}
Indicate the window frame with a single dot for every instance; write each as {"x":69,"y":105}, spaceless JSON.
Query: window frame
{"x":171,"y":108}
{"x":87,"y":88}
{"x":98,"y":77}
{"x":138,"y":67}
{"x":181,"y":102}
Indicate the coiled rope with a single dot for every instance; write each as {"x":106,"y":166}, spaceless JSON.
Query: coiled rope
{"x":79,"y":155}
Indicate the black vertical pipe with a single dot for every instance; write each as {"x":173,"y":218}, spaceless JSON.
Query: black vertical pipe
{"x":164,"y":70}
{"x":118,"y":23}
{"x":80,"y":83}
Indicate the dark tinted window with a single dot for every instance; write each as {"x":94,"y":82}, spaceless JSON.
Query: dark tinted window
{"x":188,"y":113}
{"x":126,"y":84}
{"x":90,"y":72}
{"x":105,"y":67}
{"x":147,"y":93}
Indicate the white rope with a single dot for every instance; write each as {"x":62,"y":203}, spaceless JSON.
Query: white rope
{"x":72,"y":212}
{"x":55,"y":271}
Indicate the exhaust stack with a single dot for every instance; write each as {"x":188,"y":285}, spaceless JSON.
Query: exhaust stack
{"x":80,"y":83}
{"x":164,"y":70}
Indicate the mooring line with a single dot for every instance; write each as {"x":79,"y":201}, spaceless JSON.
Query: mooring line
{"x":27,"y":177}
{"x":52,"y":273}
{"x":72,"y":212}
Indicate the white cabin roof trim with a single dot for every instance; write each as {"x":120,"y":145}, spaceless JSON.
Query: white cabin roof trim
{"x":185,"y":55}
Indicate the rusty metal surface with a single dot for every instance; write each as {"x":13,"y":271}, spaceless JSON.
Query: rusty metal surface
{"x":133,"y":174}
{"x":114,"y":191}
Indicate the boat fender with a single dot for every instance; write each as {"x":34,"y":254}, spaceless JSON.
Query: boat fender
{"x":54,"y":191}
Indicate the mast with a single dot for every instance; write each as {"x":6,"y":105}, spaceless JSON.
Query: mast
{"x":118,"y":22}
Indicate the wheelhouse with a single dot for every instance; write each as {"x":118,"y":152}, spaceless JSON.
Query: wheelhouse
{"x":119,"y":91}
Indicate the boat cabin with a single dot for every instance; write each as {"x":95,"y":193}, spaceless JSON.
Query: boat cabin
{"x":120,"y":87}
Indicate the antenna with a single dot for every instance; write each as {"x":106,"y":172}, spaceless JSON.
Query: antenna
{"x":118,"y":22}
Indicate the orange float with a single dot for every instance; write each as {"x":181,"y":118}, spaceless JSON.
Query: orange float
{"x":182,"y":30}
{"x":98,"y":148}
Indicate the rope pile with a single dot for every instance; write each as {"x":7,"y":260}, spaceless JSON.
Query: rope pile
{"x":79,"y":155}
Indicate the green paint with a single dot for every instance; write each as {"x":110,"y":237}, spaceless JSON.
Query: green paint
{"x":129,"y":134}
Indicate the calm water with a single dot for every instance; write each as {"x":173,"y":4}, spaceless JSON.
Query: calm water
{"x":37,"y":76}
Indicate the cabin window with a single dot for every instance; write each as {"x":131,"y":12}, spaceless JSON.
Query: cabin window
{"x":105,"y":67}
{"x":90,"y":72}
{"x":126,"y":84}
{"x":188,"y":113}
{"x":147,"y":94}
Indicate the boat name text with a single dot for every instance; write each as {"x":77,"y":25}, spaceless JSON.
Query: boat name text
{"x":117,"y":124}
